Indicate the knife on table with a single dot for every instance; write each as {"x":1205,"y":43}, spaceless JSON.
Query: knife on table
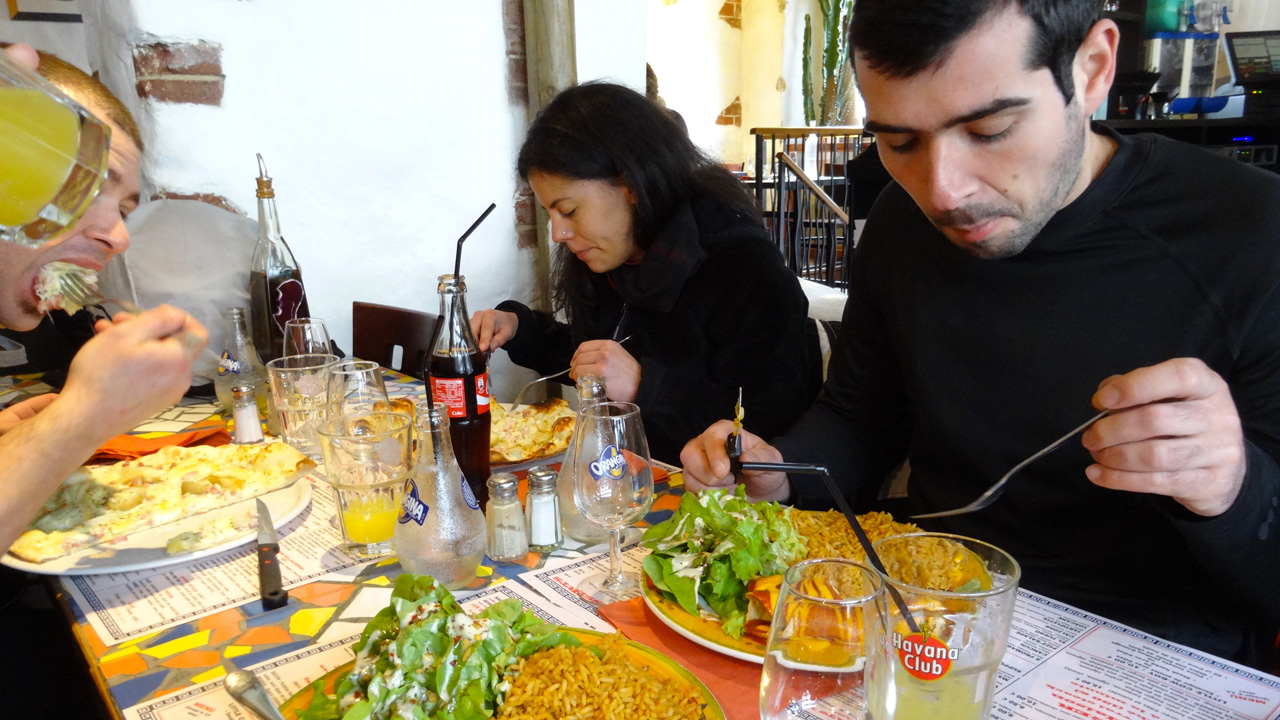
{"x":269,"y":585}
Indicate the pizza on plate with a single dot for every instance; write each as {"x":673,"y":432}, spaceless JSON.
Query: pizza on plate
{"x":530,"y":432}
{"x":101,"y":503}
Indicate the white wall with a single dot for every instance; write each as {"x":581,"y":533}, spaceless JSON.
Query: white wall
{"x":610,"y":40}
{"x":385,"y":124}
{"x":64,"y":39}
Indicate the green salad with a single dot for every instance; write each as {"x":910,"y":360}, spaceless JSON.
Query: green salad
{"x":424,"y":657}
{"x":716,"y":543}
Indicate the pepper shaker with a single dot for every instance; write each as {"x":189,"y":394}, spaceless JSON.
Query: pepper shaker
{"x":507,"y":541}
{"x":542,"y":510}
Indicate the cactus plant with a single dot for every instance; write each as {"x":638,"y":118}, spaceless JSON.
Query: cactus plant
{"x":806,"y":81}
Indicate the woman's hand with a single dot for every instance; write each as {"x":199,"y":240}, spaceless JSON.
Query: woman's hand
{"x":493,"y":328}
{"x":607,"y":359}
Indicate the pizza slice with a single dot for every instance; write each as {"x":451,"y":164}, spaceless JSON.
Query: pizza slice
{"x":530,"y":432}
{"x":102,"y":503}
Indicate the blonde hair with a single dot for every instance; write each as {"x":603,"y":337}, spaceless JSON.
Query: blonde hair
{"x":88,"y":91}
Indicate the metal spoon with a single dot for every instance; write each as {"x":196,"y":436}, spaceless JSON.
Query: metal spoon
{"x":996,"y":490}
{"x":245,"y":687}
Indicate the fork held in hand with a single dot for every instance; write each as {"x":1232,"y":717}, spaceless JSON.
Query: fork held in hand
{"x":82,"y":293}
{"x":995,"y":491}
{"x":523,"y":390}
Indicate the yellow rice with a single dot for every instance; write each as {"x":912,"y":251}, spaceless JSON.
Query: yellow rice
{"x":572,"y":683}
{"x":828,"y":535}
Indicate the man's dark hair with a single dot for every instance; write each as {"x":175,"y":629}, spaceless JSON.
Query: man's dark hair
{"x":603,"y":131}
{"x":901,"y":38}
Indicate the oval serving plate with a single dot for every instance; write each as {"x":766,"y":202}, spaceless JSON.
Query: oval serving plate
{"x":657,"y":663}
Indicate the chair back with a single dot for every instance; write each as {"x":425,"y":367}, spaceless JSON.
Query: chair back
{"x":376,"y":331}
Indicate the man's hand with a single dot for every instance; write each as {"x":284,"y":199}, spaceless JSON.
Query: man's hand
{"x":493,"y":328}
{"x":23,"y":410}
{"x":134,"y":367}
{"x":706,"y":464}
{"x":608,"y":359}
{"x":1174,"y":430}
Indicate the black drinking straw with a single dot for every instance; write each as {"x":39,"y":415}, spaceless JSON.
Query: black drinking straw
{"x":457,"y":261}
{"x":863,"y":540}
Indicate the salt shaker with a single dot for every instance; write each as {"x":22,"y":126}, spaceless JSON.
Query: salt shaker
{"x":245,"y":413}
{"x":542,"y":510}
{"x":507,"y":541}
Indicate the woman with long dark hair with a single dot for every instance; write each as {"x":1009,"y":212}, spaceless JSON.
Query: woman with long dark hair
{"x":662,"y":249}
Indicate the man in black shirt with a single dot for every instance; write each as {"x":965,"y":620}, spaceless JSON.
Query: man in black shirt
{"x":1027,"y":269}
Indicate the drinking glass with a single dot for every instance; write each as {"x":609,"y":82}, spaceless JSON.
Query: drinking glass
{"x":367,"y":457}
{"x":355,"y":386}
{"x":53,"y":157}
{"x":306,"y":336}
{"x":612,"y":487}
{"x":299,"y":384}
{"x":948,"y":669}
{"x":816,"y":661}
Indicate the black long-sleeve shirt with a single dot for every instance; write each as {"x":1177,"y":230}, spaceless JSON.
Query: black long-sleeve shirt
{"x":710,"y":308}
{"x":967,"y":366}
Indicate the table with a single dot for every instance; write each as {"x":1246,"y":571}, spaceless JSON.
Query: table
{"x":1062,"y":663}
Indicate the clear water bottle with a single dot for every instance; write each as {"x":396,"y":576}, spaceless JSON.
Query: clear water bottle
{"x":440,"y":531}
{"x":238,"y":364}
{"x":591,"y":391}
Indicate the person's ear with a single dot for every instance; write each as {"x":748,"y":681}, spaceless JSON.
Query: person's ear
{"x":1094,"y":67}
{"x":631,"y":197}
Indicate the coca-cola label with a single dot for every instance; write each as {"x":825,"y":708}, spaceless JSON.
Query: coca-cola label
{"x":467,"y":496}
{"x":412,"y":509}
{"x":452,"y":393}
{"x":924,"y":656}
{"x":228,"y":364}
{"x":289,"y":297}
{"x":611,"y":464}
{"x":482,"y":393}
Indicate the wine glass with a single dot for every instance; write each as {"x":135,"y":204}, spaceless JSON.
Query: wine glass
{"x":828,"y":614}
{"x":355,"y":386}
{"x":53,"y":157}
{"x":612,"y":487}
{"x":306,"y":336}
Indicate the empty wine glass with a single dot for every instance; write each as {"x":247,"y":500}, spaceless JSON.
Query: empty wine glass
{"x":306,"y":336}
{"x":355,"y":386}
{"x":53,"y":157}
{"x":612,"y":487}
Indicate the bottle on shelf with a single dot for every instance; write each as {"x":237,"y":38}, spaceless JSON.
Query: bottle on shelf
{"x":440,"y":530}
{"x":459,"y":381}
{"x":591,"y":391}
{"x":276,"y":292}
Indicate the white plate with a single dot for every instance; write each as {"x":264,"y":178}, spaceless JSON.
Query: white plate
{"x":694,"y":637}
{"x":145,"y":549}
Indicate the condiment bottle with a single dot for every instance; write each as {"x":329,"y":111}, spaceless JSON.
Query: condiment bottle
{"x":239,"y":364}
{"x":505,"y":519}
{"x":276,"y":293}
{"x":459,"y":380}
{"x":440,"y":531}
{"x":542,"y":510}
{"x":248,"y":427}
{"x":591,"y":391}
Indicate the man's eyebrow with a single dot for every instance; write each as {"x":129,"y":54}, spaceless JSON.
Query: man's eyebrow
{"x":993,"y":108}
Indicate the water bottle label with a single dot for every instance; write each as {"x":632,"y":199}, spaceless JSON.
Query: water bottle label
{"x":611,"y":464}
{"x":228,"y":364}
{"x":468,"y":496}
{"x":412,"y":509}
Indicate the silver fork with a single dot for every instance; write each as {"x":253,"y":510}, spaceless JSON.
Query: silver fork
{"x":995,"y":491}
{"x":523,"y":390}
{"x":78,"y":290}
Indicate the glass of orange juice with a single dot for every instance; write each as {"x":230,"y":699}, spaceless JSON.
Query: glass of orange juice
{"x":367,"y":457}
{"x":53,"y":157}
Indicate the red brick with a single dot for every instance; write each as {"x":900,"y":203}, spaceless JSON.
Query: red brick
{"x":527,"y":236}
{"x":517,"y":81}
{"x":174,"y":90}
{"x":198,"y":58}
{"x":526,"y":214}
{"x":214,"y":200}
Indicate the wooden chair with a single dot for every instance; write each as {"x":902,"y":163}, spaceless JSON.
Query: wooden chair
{"x":376,"y":331}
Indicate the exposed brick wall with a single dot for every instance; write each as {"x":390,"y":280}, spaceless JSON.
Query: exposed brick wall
{"x":732,"y":115}
{"x":731,"y":12}
{"x":517,"y":59}
{"x":214,"y":200}
{"x":180,"y":72}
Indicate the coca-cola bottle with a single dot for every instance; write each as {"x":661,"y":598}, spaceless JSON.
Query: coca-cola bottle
{"x":591,"y":391}
{"x":440,"y":530}
{"x":459,"y":380}
{"x":276,"y":293}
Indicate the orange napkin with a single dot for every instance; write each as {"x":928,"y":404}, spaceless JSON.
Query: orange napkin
{"x":130,"y":447}
{"x":735,"y":683}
